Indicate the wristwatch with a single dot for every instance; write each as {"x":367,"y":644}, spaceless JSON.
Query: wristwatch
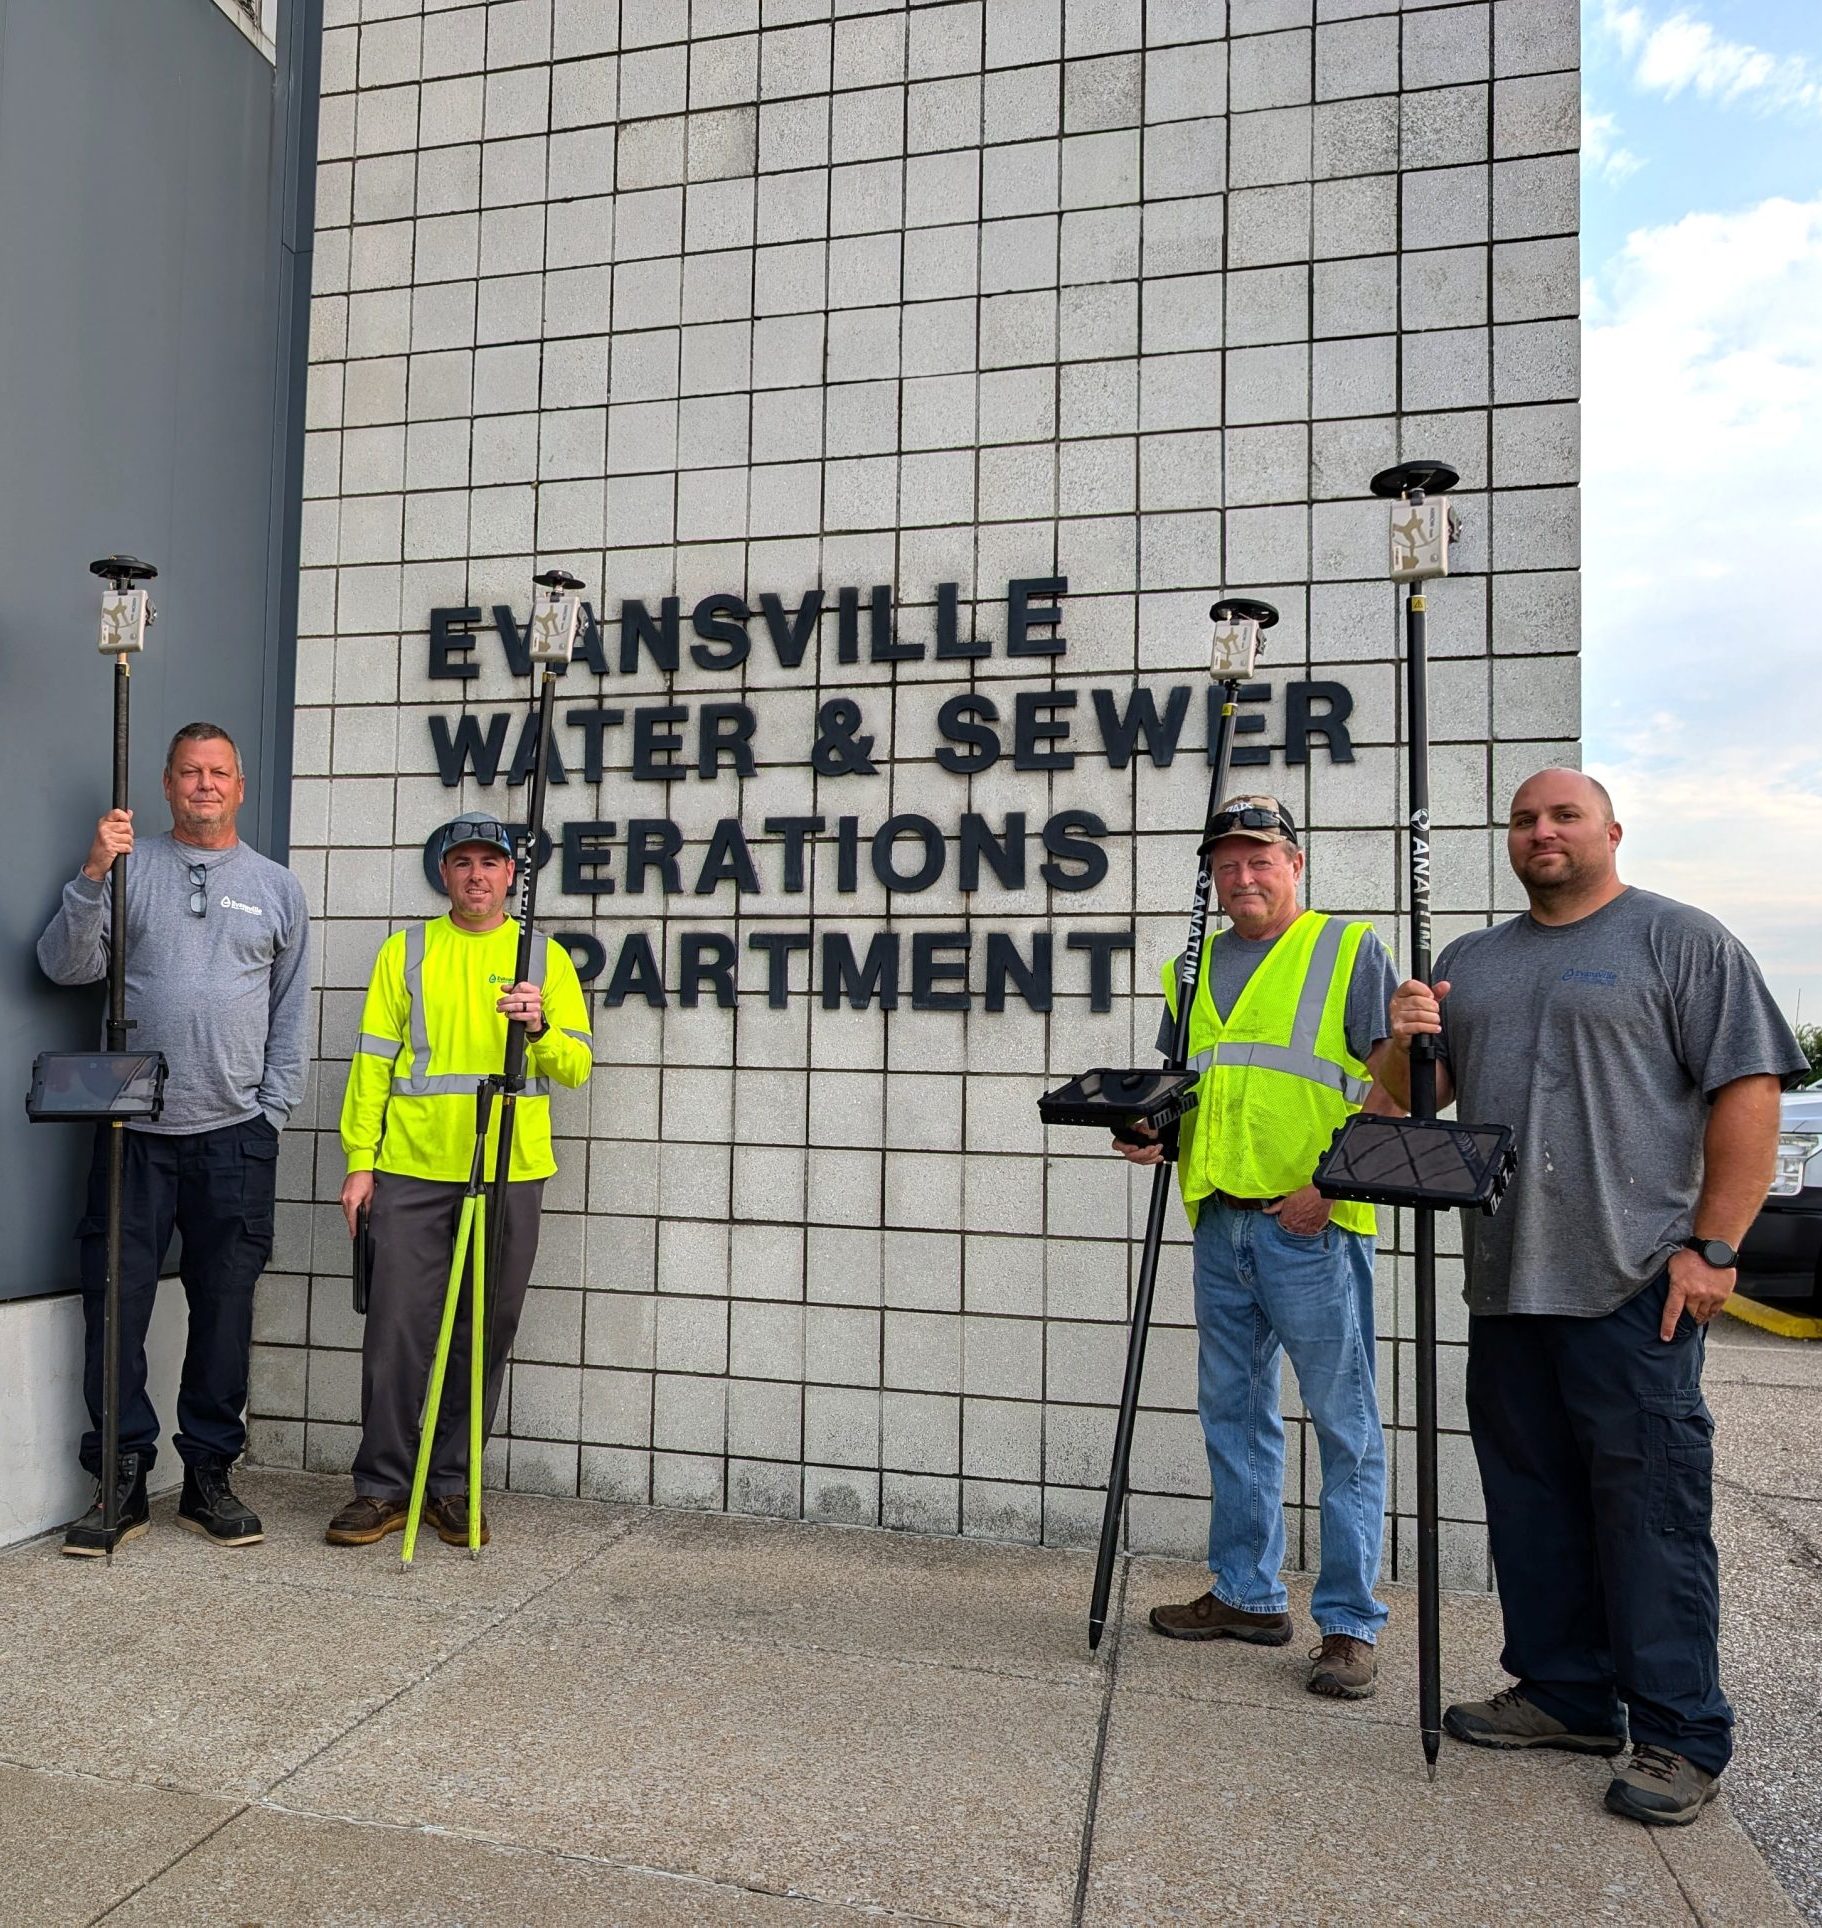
{"x":1713,"y":1251}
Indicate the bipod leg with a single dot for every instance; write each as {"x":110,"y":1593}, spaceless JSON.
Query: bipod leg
{"x":433,"y":1395}
{"x":1129,"y":1403}
{"x":477,"y":1374}
{"x":496,"y":1209}
{"x":469,"y":1228}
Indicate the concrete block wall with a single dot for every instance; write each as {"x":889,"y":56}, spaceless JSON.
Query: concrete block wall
{"x":748,"y":296}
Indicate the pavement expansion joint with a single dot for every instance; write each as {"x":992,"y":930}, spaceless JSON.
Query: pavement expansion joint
{"x":1103,"y":1721}
{"x":526,"y":1851}
{"x":758,"y":1641}
{"x":1697,"y":1916}
{"x":1375,"y":1712}
{"x":174,"y":1861}
{"x":494,"y":1620}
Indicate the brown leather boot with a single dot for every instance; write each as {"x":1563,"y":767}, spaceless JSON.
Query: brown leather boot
{"x":1212,"y":1619}
{"x":449,"y":1515}
{"x":365,"y":1520}
{"x":1344,"y":1668}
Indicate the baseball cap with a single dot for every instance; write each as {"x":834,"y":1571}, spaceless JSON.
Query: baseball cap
{"x":467,"y":830}
{"x":1262,"y":818}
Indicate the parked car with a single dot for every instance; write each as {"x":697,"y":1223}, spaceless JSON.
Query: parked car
{"x":1781,"y":1257}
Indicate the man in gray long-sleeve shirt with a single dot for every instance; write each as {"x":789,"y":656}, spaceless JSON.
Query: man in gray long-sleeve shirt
{"x":216,"y":979}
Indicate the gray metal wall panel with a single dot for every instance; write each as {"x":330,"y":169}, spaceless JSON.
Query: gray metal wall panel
{"x":140,"y":364}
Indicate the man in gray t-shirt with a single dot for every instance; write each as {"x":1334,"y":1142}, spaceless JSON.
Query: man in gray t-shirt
{"x":1633,"y":1047}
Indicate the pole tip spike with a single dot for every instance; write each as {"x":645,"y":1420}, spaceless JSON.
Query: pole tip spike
{"x":1429,"y":1768}
{"x":1095,"y":1630}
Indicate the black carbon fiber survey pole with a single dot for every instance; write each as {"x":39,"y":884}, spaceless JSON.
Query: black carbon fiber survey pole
{"x":1189,"y":967}
{"x":512,"y":1080}
{"x":117,"y":1041}
{"x":1423,"y":1105}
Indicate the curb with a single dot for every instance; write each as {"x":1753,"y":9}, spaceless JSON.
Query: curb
{"x":1787,"y":1325}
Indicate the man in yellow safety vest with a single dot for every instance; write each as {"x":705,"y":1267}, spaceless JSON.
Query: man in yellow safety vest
{"x":433,"y":1026}
{"x":1288,"y":1023}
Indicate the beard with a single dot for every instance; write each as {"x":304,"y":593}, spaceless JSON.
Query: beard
{"x":1566,"y":874}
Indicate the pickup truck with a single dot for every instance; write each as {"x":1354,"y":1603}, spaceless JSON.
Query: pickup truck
{"x":1781,"y":1257}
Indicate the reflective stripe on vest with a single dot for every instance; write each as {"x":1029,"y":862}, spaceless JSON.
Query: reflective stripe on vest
{"x":452,"y":1084}
{"x":1298,"y":1058}
{"x":418,"y":1082}
{"x":1277,"y":1074}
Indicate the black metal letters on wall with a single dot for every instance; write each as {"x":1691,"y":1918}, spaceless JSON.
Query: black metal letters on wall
{"x":680,"y":737}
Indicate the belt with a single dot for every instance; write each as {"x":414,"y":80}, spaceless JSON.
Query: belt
{"x":1234,"y":1204}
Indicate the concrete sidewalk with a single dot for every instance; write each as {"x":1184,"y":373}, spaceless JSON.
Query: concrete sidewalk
{"x":620,"y":1716}
{"x":1766,"y":1395}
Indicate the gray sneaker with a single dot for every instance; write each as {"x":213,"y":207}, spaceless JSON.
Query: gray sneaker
{"x":1661,"y":1789}
{"x":1509,"y":1720}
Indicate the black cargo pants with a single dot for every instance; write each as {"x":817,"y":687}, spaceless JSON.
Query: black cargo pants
{"x":1596,"y":1455}
{"x":216,"y":1188}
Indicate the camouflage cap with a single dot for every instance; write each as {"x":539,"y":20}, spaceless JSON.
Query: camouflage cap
{"x":1262,"y":818}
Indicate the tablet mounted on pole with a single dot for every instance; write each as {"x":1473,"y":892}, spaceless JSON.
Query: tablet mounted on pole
{"x":1122,"y":1101}
{"x":1420,"y":1161}
{"x":112,"y":1086}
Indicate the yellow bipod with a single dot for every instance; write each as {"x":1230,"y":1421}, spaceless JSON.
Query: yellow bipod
{"x":470,"y":1242}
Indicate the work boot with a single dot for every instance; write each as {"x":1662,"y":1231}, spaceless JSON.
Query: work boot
{"x":1345,"y":1668}
{"x":1509,"y":1720}
{"x":1662,"y":1789}
{"x":449,"y":1516}
{"x":87,"y":1538}
{"x":1211,"y":1619}
{"x":364,"y":1520}
{"x":209,"y":1507}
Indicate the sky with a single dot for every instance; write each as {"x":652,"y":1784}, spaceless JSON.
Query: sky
{"x":1702,"y":459}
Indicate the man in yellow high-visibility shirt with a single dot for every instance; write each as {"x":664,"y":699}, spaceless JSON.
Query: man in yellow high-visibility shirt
{"x":1288,"y":1027}
{"x":433,"y":1026}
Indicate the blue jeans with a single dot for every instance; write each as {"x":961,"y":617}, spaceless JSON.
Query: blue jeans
{"x":1260,"y":1291}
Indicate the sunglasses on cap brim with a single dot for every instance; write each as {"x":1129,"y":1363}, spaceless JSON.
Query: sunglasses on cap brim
{"x":1250,"y":817}
{"x":481,"y":830}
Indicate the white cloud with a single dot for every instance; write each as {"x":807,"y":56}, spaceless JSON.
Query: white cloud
{"x":1703,"y":425}
{"x":1603,"y":152}
{"x":1684,"y":53}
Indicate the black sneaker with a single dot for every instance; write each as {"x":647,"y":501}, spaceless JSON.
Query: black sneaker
{"x":88,"y":1538}
{"x":209,"y":1507}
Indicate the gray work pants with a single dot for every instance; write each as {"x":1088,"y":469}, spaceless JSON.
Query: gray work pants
{"x":414,"y":1227}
